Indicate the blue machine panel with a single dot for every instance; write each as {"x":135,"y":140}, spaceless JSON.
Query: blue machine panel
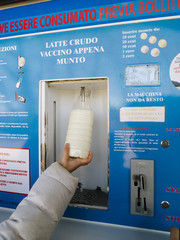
{"x":142,"y":62}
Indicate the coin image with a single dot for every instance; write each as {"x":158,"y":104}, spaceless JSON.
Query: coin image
{"x":162,"y":43}
{"x":143,"y":36}
{"x":152,"y":39}
{"x":155,"y":52}
{"x":144,"y":49}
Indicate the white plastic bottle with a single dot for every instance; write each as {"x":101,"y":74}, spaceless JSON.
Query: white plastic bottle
{"x":80,"y":126}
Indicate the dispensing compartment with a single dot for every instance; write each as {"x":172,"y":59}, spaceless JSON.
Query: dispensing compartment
{"x":56,"y":99}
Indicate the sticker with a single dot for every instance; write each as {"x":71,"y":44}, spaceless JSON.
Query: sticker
{"x":155,"y":52}
{"x":14,"y":170}
{"x":140,"y":75}
{"x":143,"y":36}
{"x":144,"y":49}
{"x":152,"y":39}
{"x":142,"y":114}
{"x":162,"y":43}
{"x":174,"y":71}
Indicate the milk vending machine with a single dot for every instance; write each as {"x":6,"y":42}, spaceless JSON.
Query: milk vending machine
{"x":120,"y":66}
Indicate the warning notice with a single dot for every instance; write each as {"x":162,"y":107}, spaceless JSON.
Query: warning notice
{"x":142,"y":114}
{"x":14,"y":170}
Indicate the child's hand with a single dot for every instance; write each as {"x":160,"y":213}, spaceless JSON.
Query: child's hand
{"x":72,"y":164}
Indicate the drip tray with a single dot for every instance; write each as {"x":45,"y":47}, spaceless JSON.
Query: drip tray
{"x":96,"y":198}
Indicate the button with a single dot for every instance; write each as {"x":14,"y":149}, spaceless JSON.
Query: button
{"x":165,"y":143}
{"x":165,"y":204}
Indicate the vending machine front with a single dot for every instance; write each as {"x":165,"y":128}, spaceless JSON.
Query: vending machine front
{"x":131,"y":73}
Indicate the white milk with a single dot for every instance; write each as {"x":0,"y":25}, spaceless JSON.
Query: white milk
{"x":79,"y":132}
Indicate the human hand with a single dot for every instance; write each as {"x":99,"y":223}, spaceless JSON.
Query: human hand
{"x":174,"y":235}
{"x":70,"y":163}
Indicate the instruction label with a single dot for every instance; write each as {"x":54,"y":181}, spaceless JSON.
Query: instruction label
{"x":135,"y":141}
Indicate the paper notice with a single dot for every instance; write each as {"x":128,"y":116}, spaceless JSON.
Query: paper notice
{"x":14,"y":170}
{"x":142,"y":114}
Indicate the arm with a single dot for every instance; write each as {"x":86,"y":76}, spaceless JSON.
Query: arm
{"x":37,"y":215}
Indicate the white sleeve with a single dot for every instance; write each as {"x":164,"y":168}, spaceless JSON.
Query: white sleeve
{"x":37,"y":215}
